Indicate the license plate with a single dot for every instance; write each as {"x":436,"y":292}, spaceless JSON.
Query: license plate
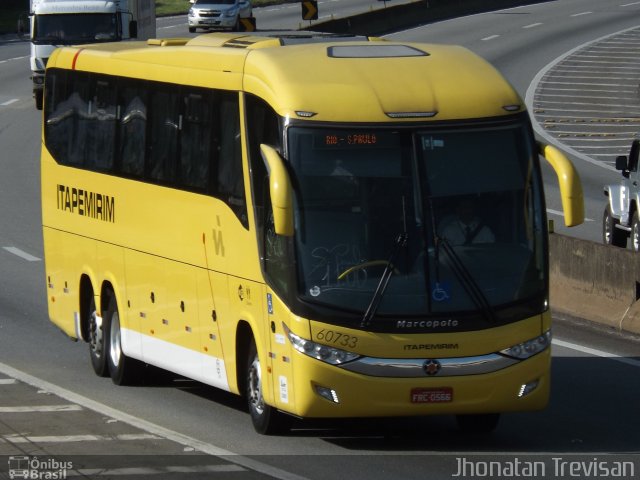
{"x":432,"y":395}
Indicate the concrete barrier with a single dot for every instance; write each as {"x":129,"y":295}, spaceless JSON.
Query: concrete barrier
{"x":397,"y":17}
{"x":595,"y":282}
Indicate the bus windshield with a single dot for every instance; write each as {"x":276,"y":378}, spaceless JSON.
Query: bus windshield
{"x":454,"y":217}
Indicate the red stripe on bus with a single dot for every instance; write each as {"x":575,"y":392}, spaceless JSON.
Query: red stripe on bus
{"x":75,"y":59}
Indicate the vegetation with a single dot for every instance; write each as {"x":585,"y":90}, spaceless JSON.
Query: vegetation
{"x":10,"y":10}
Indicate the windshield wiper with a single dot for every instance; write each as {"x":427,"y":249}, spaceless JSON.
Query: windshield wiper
{"x":401,"y":241}
{"x":466,"y":279}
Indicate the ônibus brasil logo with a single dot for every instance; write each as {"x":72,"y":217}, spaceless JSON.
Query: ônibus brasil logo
{"x":35,"y":469}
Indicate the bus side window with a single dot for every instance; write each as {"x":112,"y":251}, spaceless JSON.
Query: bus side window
{"x":196,"y":140}
{"x":163,"y":141}
{"x":263,"y":127}
{"x":58,"y":114}
{"x":132,"y":129}
{"x":101,"y":126}
{"x":230,"y":179}
{"x":79,"y":105}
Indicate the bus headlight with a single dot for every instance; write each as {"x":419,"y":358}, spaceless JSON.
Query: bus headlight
{"x":331,"y":355}
{"x":530,"y":347}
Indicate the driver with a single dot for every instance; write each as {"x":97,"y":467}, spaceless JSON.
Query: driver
{"x":467,"y":228}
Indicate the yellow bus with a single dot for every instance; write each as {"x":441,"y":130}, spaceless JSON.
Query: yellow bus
{"x":273,"y":216}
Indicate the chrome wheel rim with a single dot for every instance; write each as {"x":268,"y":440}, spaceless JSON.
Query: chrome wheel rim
{"x":115,"y":347}
{"x":255,"y":387}
{"x":95,"y":335}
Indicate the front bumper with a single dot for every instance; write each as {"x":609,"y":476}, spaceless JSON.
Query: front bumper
{"x":213,"y":22}
{"x":361,"y":395}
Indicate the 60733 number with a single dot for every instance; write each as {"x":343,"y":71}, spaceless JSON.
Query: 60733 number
{"x":337,"y":338}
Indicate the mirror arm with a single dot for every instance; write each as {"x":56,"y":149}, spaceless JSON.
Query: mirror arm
{"x":570,"y":185}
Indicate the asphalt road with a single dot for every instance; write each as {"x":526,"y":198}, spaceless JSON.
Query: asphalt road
{"x":172,"y":428}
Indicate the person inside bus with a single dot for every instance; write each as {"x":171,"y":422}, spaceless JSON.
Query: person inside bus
{"x":466,"y":228}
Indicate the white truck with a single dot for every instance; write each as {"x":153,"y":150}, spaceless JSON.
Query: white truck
{"x":75,"y":22}
{"x":621,"y":219}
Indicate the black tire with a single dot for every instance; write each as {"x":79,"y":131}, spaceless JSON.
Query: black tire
{"x":97,"y":341}
{"x":38,"y":95}
{"x":635,"y":232}
{"x":266,"y":419}
{"x":192,"y":29}
{"x":478,"y":423}
{"x":610,"y":234}
{"x":123,"y":370}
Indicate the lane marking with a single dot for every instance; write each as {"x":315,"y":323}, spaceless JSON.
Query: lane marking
{"x":529,"y":100}
{"x":41,"y":408}
{"x":580,"y":14}
{"x":116,"y":472}
{"x":490,"y":37}
{"x":533,"y":25}
{"x":9,"y":102}
{"x":8,"y":381}
{"x":17,"y":438}
{"x":150,"y":427}
{"x":22,"y":254}
{"x":597,"y":353}
{"x":12,"y":59}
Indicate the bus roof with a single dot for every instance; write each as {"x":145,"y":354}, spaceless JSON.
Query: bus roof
{"x":323,"y":78}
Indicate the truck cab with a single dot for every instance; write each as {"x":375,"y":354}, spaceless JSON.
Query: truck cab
{"x":621,"y":218}
{"x":56,"y":23}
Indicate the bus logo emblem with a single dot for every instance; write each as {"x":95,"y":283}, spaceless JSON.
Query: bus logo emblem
{"x":431,"y":367}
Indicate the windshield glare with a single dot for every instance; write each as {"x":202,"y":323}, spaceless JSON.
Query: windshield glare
{"x":74,"y":28}
{"x":467,"y":200}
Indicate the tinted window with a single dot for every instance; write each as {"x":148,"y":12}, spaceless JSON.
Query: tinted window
{"x":178,"y":136}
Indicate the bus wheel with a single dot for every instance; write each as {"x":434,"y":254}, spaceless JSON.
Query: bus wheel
{"x":123,"y":370}
{"x":97,"y":342}
{"x":481,"y":423}
{"x":266,"y":419}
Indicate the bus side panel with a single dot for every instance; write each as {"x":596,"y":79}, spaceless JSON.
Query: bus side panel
{"x":284,"y":392}
{"x":142,"y":279}
{"x":173,"y":306}
{"x":55,"y":274}
{"x":66,"y":259}
{"x":214,"y":315}
{"x":246,"y":304}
